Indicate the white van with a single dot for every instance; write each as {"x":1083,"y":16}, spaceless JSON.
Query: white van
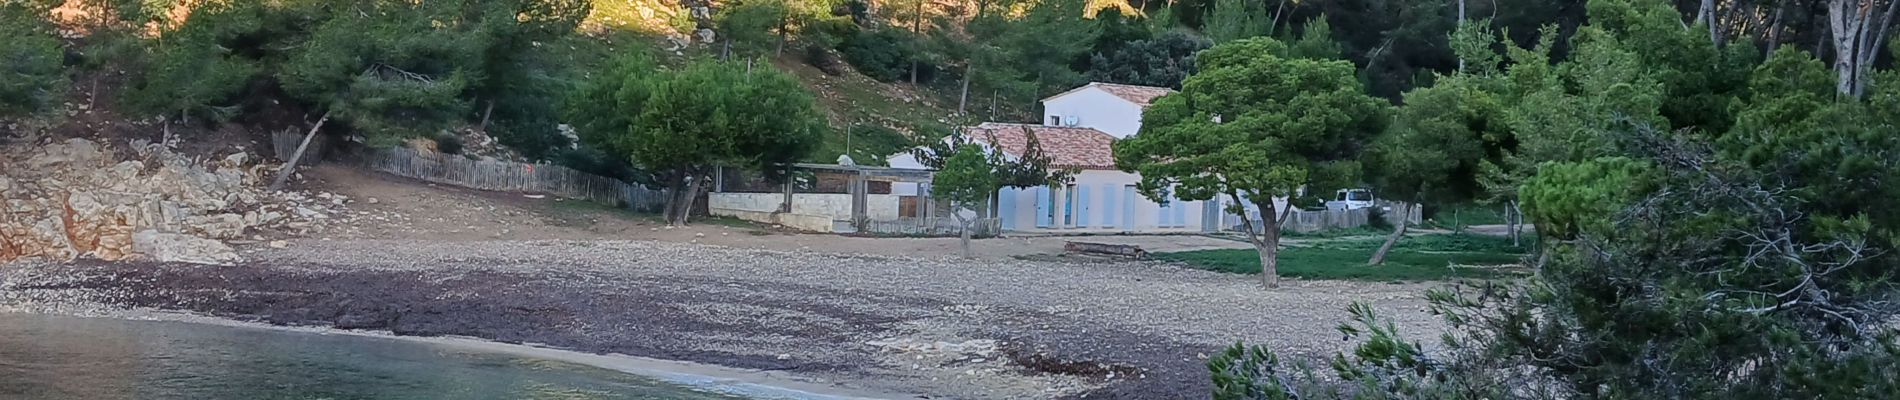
{"x":1351,"y":199}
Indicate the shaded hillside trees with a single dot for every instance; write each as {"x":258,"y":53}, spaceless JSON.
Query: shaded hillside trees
{"x":1163,"y":61}
{"x":385,"y":70}
{"x":30,"y":59}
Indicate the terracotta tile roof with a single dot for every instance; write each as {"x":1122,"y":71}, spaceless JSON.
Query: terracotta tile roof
{"x":1140,"y":95}
{"x":1067,"y":147}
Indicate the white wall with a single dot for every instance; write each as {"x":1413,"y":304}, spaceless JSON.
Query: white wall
{"x":1096,"y":108}
{"x":833,"y":205}
{"x":1106,"y":207}
{"x":904,"y":160}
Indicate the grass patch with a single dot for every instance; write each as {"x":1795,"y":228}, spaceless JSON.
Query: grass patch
{"x":1424,"y":258}
{"x":1457,"y":217}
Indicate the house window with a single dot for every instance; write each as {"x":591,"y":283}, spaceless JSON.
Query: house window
{"x":1054,"y":120}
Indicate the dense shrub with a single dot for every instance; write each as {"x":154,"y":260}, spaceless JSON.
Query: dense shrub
{"x":882,"y":54}
{"x":30,"y":60}
{"x":448,"y":144}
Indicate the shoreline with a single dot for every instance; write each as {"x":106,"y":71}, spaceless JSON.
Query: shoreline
{"x":836,"y":324}
{"x":722,"y":379}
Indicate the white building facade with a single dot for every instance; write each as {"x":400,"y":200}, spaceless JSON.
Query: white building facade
{"x":1078,"y":130}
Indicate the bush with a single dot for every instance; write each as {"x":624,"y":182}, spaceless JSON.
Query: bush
{"x":30,"y":59}
{"x":882,"y":54}
{"x":821,"y":57}
{"x":1714,"y":280}
{"x":1375,"y":218}
{"x":448,"y":144}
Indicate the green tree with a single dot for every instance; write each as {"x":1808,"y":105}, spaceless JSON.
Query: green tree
{"x":1315,"y":41}
{"x":1050,"y":39}
{"x":680,"y":125}
{"x":1433,"y":151}
{"x":30,"y":59}
{"x":389,"y":70}
{"x":1251,"y":126}
{"x":194,"y":69}
{"x":967,"y":180}
{"x":1236,"y":19}
{"x":1715,"y":280}
{"x":1163,"y":61}
{"x":523,"y":74}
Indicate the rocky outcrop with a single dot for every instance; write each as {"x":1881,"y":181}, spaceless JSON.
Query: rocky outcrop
{"x":76,"y":198}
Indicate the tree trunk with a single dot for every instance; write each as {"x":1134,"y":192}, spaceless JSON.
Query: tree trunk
{"x":1274,"y":25}
{"x":1516,"y":220}
{"x":1269,"y":248}
{"x":283,"y":174}
{"x":1405,"y":212}
{"x":1461,"y":22}
{"x":992,"y":105}
{"x":963,"y":98}
{"x":1707,"y":15}
{"x":780,"y":52}
{"x":486,"y":113}
{"x":1774,"y":30}
{"x":1857,"y":35}
{"x":913,"y":73}
{"x":965,"y":234}
{"x":693,"y":187}
{"x":674,"y":196}
{"x":1266,"y":240}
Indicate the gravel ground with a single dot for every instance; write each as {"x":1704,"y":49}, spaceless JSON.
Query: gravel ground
{"x":933,"y":327}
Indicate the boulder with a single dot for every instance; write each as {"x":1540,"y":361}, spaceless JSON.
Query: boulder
{"x":172,"y":247}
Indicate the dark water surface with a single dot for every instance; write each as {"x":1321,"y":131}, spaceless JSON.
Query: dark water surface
{"x":51,"y":357}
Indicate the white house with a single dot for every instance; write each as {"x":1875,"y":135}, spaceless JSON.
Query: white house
{"x":1078,"y":130}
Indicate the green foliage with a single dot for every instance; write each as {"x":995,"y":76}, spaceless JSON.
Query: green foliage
{"x":387,"y":70}
{"x":448,"y":144}
{"x":1031,"y":169}
{"x":1568,"y":199}
{"x":1315,"y":41}
{"x":1236,"y":19}
{"x":756,"y":27}
{"x":1432,"y":153}
{"x":868,"y":144}
{"x":882,"y":54}
{"x":30,"y":60}
{"x":708,"y":114}
{"x":1164,"y":61}
{"x":1251,"y":123}
{"x":1047,"y":42}
{"x":967,"y":178}
{"x":1700,"y":276}
{"x":1248,"y":373}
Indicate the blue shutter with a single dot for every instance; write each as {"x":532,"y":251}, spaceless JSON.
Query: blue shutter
{"x":1043,"y":217}
{"x":1164,"y":210}
{"x":1108,"y":205}
{"x":1128,"y":208}
{"x":1082,"y":207}
{"x":1180,"y":213}
{"x":1006,"y":207}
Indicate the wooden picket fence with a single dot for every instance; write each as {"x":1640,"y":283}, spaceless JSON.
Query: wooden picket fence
{"x":512,"y":177}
